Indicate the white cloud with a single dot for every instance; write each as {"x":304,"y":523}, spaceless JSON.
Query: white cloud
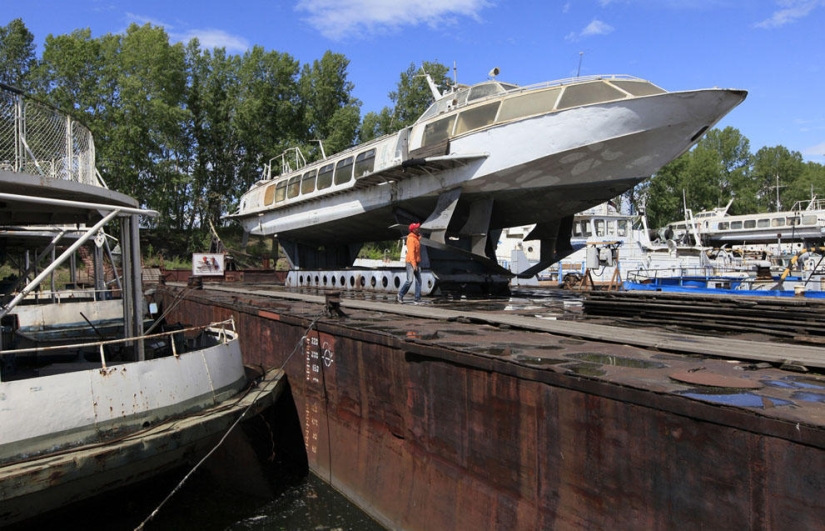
{"x":141,"y":20}
{"x":817,"y":150}
{"x":790,"y":11}
{"x":213,"y":38}
{"x":337,"y":19}
{"x":596,"y":27}
{"x":209,"y":38}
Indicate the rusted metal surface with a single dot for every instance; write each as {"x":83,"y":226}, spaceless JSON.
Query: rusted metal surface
{"x":447,"y":423}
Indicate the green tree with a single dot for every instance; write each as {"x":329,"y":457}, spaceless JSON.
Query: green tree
{"x":331,"y":113}
{"x":147,"y":147}
{"x":775,"y":169}
{"x":410,"y":99}
{"x":17,"y":58}
{"x":810,"y":183}
{"x":662,"y":194}
{"x":267,"y":117}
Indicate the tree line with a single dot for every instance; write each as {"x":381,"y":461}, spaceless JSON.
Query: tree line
{"x":186,"y":130}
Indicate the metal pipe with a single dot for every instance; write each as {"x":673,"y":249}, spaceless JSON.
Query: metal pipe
{"x":54,"y":265}
{"x":77,"y":204}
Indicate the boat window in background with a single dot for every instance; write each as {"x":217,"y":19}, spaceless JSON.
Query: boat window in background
{"x":325,"y":177}
{"x":638,"y":88}
{"x":364,"y":163}
{"x":589,"y":93}
{"x":484,"y":90}
{"x":438,"y":131}
{"x":269,"y":195}
{"x":280,"y":192}
{"x":308,"y":182}
{"x":477,"y":117}
{"x":343,"y":171}
{"x":294,"y":187}
{"x":528,"y":104}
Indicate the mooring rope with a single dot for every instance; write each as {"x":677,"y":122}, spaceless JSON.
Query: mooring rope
{"x":197,"y":465}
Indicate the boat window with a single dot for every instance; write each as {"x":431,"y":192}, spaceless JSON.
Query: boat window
{"x":364,"y":163}
{"x":723,"y":225}
{"x":476,"y":117}
{"x":588,"y":93}
{"x":637,"y":88}
{"x":809,"y":219}
{"x":280,"y":191}
{"x":269,"y":194}
{"x":622,"y":226}
{"x":483,"y":90}
{"x":529,"y":104}
{"x":778,"y":222}
{"x":308,"y":182}
{"x":438,"y":131}
{"x":735,"y":225}
{"x":508,"y":86}
{"x":599,"y":225}
{"x":750,"y":223}
{"x":586,"y":228}
{"x":611,"y":227}
{"x":294,"y":187}
{"x":325,"y":176}
{"x":762,"y":223}
{"x":343,"y":171}
{"x":793,"y":221}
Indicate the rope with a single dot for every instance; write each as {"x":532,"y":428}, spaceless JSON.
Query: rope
{"x":228,"y":431}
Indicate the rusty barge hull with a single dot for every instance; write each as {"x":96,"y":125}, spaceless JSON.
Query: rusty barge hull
{"x":432,"y":421}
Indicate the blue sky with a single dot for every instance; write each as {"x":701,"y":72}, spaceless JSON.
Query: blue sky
{"x":775,"y":49}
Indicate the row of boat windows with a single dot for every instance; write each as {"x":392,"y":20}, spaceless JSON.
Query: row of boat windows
{"x":600,"y":228}
{"x":528,"y":104}
{"x":765,"y":223}
{"x":332,"y":174}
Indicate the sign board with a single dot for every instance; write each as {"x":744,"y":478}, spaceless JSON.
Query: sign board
{"x":207,"y":264}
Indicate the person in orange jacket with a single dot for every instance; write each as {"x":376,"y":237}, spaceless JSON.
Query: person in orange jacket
{"x":413,"y":263}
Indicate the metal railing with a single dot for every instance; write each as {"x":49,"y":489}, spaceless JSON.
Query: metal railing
{"x":37,"y":139}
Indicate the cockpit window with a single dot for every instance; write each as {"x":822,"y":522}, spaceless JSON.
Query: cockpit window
{"x":484,"y":90}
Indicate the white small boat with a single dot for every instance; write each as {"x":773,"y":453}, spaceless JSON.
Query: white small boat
{"x":804,"y":222}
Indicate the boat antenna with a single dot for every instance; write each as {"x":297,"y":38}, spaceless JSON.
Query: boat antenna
{"x":455,"y":74}
{"x":579,"y":71}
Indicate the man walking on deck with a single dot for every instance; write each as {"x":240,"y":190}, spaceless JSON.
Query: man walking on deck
{"x":413,"y":263}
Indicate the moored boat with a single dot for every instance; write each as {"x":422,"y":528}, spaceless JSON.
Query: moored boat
{"x":480,"y":159}
{"x":803,"y":224}
{"x":92,"y":401}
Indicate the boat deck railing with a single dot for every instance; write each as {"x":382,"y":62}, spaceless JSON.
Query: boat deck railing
{"x":224,"y":331}
{"x":38,"y":139}
{"x":705,"y":272}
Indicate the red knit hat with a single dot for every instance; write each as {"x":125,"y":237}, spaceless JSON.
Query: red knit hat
{"x":414,"y":226}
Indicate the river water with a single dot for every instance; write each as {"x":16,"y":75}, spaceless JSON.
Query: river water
{"x":203,"y":504}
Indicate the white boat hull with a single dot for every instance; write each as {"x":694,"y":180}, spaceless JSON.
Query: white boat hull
{"x":70,"y":436}
{"x":554,"y":165}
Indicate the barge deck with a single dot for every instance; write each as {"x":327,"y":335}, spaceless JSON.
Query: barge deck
{"x":476,"y":414}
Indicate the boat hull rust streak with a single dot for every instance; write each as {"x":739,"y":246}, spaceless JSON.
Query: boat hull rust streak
{"x":469,"y":441}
